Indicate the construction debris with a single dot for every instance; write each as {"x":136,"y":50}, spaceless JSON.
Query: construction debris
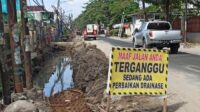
{"x":68,"y":101}
{"x":21,"y":106}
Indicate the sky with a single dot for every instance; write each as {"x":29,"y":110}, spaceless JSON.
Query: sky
{"x":74,"y":7}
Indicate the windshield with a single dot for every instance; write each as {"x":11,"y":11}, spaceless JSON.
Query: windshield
{"x":158,"y":26}
{"x":90,"y":28}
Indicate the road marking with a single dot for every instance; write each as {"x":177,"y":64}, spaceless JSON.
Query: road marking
{"x":193,"y":68}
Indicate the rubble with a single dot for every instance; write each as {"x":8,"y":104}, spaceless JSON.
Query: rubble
{"x":32,"y":98}
{"x":69,"y":101}
{"x":32,"y":94}
{"x":21,"y":106}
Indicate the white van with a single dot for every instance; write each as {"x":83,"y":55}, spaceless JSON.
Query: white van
{"x":91,"y":31}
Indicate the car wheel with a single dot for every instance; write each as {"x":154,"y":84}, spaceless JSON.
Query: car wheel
{"x":134,"y":45}
{"x":159,"y":48}
{"x":174,"y":49}
{"x":145,"y":46}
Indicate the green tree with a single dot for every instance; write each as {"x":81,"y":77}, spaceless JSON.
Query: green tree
{"x":195,"y":3}
{"x":108,"y":12}
{"x":165,"y":6}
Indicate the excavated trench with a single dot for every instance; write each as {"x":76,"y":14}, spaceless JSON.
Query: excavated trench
{"x":60,"y":80}
{"x":78,"y":77}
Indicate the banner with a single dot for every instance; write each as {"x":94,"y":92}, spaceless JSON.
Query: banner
{"x":138,"y":72}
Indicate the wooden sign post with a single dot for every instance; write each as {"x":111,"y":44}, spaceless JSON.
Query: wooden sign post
{"x":165,"y":105}
{"x":108,"y":103}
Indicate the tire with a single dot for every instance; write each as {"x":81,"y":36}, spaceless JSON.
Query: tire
{"x":85,"y":38}
{"x":145,"y":46}
{"x":159,"y":48}
{"x":174,"y":48}
{"x":134,"y":45}
{"x":95,"y":38}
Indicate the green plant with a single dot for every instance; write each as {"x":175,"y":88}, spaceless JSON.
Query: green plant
{"x":114,"y":32}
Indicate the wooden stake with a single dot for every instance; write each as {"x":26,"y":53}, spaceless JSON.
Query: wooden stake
{"x":27,"y":54}
{"x":165,"y":105}
{"x":14,"y":45}
{"x":108,"y":103}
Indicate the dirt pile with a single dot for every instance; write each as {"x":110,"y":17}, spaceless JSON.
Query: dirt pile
{"x":69,"y":101}
{"x":90,"y":70}
{"x":136,"y":104}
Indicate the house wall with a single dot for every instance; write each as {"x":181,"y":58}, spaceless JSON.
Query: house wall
{"x":193,"y":37}
{"x":37,"y":15}
{"x":129,"y":31}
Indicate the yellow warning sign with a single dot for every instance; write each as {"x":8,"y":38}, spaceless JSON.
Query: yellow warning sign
{"x":138,"y":72}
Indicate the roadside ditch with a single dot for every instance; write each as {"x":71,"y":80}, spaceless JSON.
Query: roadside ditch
{"x":74,"y":78}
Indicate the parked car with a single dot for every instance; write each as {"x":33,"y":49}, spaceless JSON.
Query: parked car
{"x":157,"y":34}
{"x":91,"y":31}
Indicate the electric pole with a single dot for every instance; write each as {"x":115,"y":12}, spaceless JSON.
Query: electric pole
{"x":121,"y":26}
{"x":185,"y":22}
{"x":144,"y":10}
{"x":167,"y":9}
{"x":57,"y":19}
{"x":15,"y":45}
{"x":4,"y":77}
{"x":26,"y":46}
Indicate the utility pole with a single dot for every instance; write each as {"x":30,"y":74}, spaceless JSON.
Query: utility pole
{"x":26,"y":46}
{"x":61,"y":21}
{"x":185,"y":22}
{"x":57,"y":19}
{"x":15,"y":45}
{"x":144,"y":10}
{"x":167,"y":9}
{"x":121,"y":26}
{"x":4,"y":77}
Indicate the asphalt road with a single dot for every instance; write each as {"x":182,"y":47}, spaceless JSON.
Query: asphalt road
{"x":182,"y":61}
{"x":184,"y":75}
{"x":186,"y":62}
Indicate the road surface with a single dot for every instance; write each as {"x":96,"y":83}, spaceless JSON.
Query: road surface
{"x":183,"y":79}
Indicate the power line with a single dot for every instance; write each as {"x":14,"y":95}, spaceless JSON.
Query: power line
{"x":36,"y":2}
{"x":42,"y":2}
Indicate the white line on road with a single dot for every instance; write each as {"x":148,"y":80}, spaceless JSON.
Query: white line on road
{"x":193,"y":68}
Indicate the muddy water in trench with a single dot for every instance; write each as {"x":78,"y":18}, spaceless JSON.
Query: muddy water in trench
{"x":60,"y":79}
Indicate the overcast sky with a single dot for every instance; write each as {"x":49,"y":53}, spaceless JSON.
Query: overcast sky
{"x":70,"y":6}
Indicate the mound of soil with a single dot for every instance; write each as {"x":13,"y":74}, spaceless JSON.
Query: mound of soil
{"x":90,"y":69}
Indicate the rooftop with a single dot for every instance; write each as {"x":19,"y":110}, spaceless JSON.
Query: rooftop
{"x":35,"y":8}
